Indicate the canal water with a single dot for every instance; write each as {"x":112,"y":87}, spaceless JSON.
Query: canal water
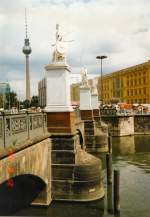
{"x":131,"y":155}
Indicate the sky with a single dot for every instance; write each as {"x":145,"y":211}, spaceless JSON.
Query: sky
{"x":119,"y":29}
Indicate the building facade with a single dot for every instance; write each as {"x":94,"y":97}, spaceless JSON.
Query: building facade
{"x":4,"y":88}
{"x":130,"y":85}
{"x":42,"y":92}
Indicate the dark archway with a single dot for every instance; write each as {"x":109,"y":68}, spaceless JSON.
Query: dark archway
{"x":81,"y":138}
{"x":18,"y":193}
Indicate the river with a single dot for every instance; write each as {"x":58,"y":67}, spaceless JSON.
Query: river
{"x":131,"y":155}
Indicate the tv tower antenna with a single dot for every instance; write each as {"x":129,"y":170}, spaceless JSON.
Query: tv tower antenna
{"x":27,"y":51}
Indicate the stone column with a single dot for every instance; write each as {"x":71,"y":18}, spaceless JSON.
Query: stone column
{"x":60,"y":113}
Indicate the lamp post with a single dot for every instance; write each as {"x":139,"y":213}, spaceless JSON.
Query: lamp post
{"x":101,"y":58}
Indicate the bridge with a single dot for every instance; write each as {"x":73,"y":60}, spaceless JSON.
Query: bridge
{"x":37,"y":167}
{"x":25,"y":159}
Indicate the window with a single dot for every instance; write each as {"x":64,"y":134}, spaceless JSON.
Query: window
{"x":135,"y":82}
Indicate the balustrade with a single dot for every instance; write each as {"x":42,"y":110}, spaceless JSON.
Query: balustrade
{"x":17,"y":128}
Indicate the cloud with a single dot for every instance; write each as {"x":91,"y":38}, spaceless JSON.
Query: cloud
{"x":118,"y":29}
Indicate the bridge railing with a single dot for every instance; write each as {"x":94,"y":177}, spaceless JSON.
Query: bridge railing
{"x":17,"y":128}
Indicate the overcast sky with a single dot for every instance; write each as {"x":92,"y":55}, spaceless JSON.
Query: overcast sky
{"x":116,"y":28}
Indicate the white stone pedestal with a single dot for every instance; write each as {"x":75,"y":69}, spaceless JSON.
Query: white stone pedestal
{"x":85,"y":98}
{"x":58,"y":88}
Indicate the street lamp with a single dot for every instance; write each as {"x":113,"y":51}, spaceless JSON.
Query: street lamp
{"x":101,"y":58}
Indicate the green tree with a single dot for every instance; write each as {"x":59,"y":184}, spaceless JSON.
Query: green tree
{"x":26,"y":103}
{"x":10,"y":100}
{"x":35,"y":101}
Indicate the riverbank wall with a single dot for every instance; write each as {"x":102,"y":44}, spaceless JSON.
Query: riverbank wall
{"x":126,"y":125}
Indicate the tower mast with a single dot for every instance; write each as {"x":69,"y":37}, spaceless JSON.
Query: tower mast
{"x":27,"y":51}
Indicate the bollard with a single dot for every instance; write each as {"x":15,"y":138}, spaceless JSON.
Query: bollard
{"x":109,"y":199}
{"x":109,"y":168}
{"x":109,"y":143}
{"x":116,"y":188}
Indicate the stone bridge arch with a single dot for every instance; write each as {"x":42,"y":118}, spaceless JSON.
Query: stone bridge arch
{"x":20,"y":193}
{"x":34,"y":160}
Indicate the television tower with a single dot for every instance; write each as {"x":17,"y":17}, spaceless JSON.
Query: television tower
{"x":27,"y":51}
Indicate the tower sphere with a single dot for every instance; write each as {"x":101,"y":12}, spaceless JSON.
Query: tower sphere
{"x":26,"y":48}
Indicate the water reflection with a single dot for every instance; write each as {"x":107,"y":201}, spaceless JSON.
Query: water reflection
{"x":123,"y":145}
{"x":135,"y":148}
{"x":65,"y":209}
{"x":142,"y":144}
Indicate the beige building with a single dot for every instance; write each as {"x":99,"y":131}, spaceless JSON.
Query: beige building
{"x":130,"y":85}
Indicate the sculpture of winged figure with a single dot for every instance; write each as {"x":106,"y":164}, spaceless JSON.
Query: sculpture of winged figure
{"x":84,"y":77}
{"x":59,"y":53}
{"x":59,"y":50}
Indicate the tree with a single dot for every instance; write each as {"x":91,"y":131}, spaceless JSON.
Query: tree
{"x":26,"y":103}
{"x":35,"y":101}
{"x":10,"y":100}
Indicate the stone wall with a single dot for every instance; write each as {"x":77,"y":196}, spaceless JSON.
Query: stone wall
{"x":120,"y":125}
{"x":142,"y":124}
{"x":33,"y":160}
{"x":76,"y":175}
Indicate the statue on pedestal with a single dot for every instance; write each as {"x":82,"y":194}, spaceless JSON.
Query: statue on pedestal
{"x":59,"y":53}
{"x":84,"y":77}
